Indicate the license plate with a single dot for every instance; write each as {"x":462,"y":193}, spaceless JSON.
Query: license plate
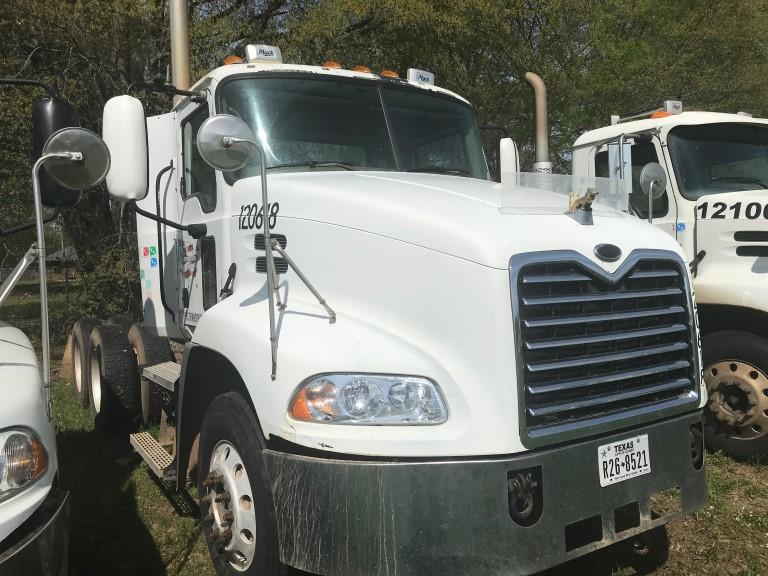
{"x":622,"y":460}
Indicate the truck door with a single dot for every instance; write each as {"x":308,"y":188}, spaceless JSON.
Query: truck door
{"x":638,"y":153}
{"x":199,"y":259}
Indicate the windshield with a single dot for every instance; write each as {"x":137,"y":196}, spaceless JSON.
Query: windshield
{"x":344,"y":124}
{"x":712,"y":158}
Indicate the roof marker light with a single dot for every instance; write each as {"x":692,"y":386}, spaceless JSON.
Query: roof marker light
{"x":332,"y":64}
{"x":422,"y":76}
{"x":232,"y":59}
{"x":389,"y":74}
{"x":363,"y":69}
{"x":263,"y":53}
{"x":660,"y":114}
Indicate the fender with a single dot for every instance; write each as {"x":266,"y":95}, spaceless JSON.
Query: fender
{"x":748,"y":291}
{"x":716,"y":317}
{"x":205,"y":374}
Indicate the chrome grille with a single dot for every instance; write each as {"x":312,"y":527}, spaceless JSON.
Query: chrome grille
{"x":601,"y":347}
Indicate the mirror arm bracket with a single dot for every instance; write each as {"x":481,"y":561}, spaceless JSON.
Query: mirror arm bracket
{"x":197,"y":231}
{"x":159,"y":87}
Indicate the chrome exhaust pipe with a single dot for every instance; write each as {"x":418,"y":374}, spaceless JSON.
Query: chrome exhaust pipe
{"x":543,"y":163}
{"x":179,"y":44}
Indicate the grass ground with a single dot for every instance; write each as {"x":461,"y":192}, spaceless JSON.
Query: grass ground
{"x":124,"y":522}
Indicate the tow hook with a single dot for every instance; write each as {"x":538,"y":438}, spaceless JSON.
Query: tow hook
{"x":525,"y":496}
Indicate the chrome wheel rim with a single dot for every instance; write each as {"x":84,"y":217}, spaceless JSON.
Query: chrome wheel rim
{"x":738,"y":398}
{"x":231,"y":513}
{"x":96,"y":380}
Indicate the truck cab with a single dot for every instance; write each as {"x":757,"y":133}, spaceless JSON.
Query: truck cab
{"x":392,"y":364}
{"x":715,"y":206}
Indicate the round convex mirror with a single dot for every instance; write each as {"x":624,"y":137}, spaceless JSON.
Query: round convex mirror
{"x":81,"y":174}
{"x":653,"y":180}
{"x":225,"y":142}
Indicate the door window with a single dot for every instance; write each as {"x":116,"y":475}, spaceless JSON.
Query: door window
{"x":642,"y":153}
{"x":199,"y":179}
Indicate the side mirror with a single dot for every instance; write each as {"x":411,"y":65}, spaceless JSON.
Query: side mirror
{"x":509,"y":157}
{"x":653,"y":182}
{"x":75,"y":159}
{"x":78,"y":158}
{"x":50,"y":115}
{"x":225,"y":142}
{"x":125,"y":134}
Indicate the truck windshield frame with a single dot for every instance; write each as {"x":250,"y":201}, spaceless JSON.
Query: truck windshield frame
{"x":309,"y":122}
{"x":720,"y":157}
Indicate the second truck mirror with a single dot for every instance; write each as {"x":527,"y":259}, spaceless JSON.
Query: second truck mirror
{"x":509,"y":158}
{"x":125,"y":133}
{"x":49,"y":115}
{"x":653,"y":182}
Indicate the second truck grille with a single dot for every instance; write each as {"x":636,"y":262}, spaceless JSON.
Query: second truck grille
{"x":593,"y":346}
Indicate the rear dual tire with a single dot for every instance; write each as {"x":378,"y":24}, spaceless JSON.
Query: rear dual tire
{"x":81,"y":351}
{"x":114,"y":398}
{"x":149,"y":350}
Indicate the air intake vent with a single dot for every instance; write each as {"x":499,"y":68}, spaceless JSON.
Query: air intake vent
{"x":598,"y":349}
{"x":759,"y":251}
{"x":750,"y":236}
{"x":281,"y":266}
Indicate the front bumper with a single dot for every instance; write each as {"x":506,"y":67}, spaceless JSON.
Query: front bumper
{"x":40,"y":546}
{"x":375,"y":518}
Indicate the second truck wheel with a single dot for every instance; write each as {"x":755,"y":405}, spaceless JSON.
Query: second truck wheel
{"x":736,"y":374}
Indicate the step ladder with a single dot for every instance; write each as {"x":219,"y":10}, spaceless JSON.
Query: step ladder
{"x":163,"y":464}
{"x":156,"y":457}
{"x":165,"y":374}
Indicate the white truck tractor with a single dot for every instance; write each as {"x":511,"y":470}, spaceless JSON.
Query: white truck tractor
{"x":389,"y":363}
{"x":34,"y":510}
{"x":716,"y":205}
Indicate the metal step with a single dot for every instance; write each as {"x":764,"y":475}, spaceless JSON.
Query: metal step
{"x":165,"y":374}
{"x":156,"y":457}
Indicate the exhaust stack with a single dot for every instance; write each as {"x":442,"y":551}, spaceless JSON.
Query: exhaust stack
{"x":542,"y":163}
{"x":179,"y":44}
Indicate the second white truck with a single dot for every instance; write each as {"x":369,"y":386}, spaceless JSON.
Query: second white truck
{"x":715,"y":204}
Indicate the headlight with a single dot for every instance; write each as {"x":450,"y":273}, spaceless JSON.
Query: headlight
{"x":369,"y":399}
{"x":23,"y":459}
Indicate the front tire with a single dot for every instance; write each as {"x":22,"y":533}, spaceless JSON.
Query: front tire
{"x":235,"y":499}
{"x":736,"y":375}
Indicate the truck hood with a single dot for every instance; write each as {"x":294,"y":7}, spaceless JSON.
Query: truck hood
{"x":463,"y":217}
{"x":15,"y":348}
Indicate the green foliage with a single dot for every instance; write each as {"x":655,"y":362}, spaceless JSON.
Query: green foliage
{"x":597,"y":58}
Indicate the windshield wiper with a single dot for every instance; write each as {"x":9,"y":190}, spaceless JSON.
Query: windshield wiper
{"x":742,"y":179}
{"x":439,"y":170}
{"x":316,"y":164}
